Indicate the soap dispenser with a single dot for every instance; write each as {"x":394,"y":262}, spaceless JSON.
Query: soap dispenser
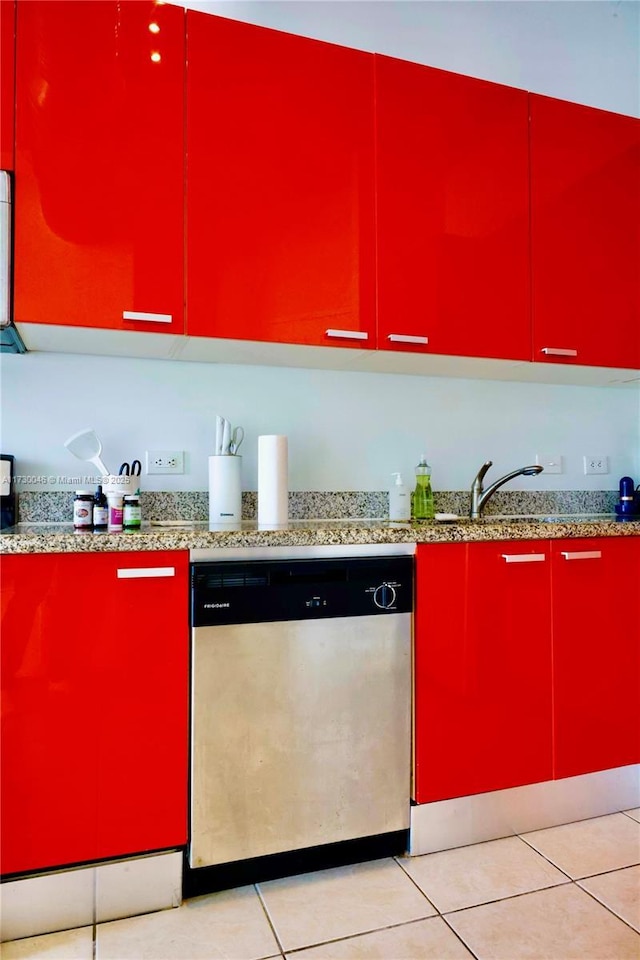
{"x":399,"y":500}
{"x":423,"y":495}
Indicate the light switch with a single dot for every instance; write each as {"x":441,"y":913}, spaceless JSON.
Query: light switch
{"x":552,"y":462}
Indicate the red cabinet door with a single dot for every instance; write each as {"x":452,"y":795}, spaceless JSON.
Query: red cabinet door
{"x":596,"y":654}
{"x":482,"y":668}
{"x":280,"y":189}
{"x":585,"y":234}
{"x":94,"y":707}
{"x":452,"y":213}
{"x":141,"y":744}
{"x":7,"y":81}
{"x":47,"y":787}
{"x":99,"y":164}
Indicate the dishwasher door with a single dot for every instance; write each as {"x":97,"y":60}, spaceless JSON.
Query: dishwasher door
{"x":301,"y":734}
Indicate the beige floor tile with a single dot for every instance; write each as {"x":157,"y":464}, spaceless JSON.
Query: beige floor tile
{"x":561,"y":923}
{"x":634,"y":813}
{"x":331,"y":904}
{"x":221,"y":926}
{"x":620,"y":891}
{"x":423,"y":940}
{"x":468,"y":876}
{"x":68,"y":945}
{"x":590,"y":846}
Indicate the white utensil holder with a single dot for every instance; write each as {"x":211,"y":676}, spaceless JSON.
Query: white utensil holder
{"x":225,"y":490}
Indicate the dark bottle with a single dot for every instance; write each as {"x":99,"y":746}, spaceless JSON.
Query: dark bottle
{"x":100,"y":510}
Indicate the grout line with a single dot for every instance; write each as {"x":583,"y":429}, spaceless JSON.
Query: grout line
{"x":603,"y":873}
{"x":256,"y":887}
{"x":464,"y":943}
{"x":544,"y":857}
{"x":479,"y":844}
{"x":610,"y":910}
{"x":525,"y":893}
{"x":523,"y":837}
{"x":574,"y":883}
{"x":407,"y":874}
{"x":627,"y":814}
{"x":361,"y":933}
{"x":511,"y":896}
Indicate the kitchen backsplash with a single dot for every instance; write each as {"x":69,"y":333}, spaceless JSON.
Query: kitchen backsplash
{"x":57,"y":506}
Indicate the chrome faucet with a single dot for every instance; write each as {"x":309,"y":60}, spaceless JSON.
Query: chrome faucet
{"x":479,"y":496}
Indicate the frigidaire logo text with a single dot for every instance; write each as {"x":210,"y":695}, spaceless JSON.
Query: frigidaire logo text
{"x":216,"y":606}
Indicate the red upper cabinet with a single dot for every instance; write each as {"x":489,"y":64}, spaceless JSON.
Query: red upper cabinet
{"x":100,"y":164}
{"x":596,"y":654}
{"x":452,"y":213}
{"x":7,"y":81}
{"x":585,"y":235}
{"x":482,"y":668}
{"x":280,"y":186}
{"x":95,"y":659}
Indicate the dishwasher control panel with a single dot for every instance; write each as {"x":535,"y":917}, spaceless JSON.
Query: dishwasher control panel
{"x":272,"y":590}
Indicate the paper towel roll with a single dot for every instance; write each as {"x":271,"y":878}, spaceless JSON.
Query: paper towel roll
{"x":225,"y":489}
{"x":273,"y":480}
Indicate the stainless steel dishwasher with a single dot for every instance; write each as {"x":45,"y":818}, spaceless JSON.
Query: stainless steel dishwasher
{"x":301,"y":704}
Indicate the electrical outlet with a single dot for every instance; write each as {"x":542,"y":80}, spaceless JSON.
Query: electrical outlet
{"x":596,"y":464}
{"x":552,"y":462}
{"x":164,"y":461}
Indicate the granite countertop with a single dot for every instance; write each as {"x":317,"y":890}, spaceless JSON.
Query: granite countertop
{"x":177,"y":535}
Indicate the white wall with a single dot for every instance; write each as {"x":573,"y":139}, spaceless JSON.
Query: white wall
{"x":587,"y":51}
{"x":350,"y":430}
{"x":347,"y":431}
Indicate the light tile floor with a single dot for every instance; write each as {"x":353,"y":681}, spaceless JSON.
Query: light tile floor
{"x":566,"y":892}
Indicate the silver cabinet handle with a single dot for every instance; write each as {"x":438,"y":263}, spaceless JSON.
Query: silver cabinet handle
{"x":582,"y":555}
{"x":559,"y":352}
{"x":524,"y":557}
{"x":405,"y":338}
{"x":348,"y":334}
{"x":136,"y":573}
{"x":149,"y":317}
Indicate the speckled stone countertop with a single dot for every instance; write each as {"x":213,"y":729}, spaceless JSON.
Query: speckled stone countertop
{"x":61,"y":538}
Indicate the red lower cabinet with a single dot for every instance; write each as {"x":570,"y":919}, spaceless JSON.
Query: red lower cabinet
{"x":482,"y":668}
{"x":527,"y":662}
{"x":596,"y":654}
{"x":95,"y":653}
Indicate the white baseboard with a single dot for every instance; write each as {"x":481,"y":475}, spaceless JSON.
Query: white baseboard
{"x":504,"y":813}
{"x":77,"y":898}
